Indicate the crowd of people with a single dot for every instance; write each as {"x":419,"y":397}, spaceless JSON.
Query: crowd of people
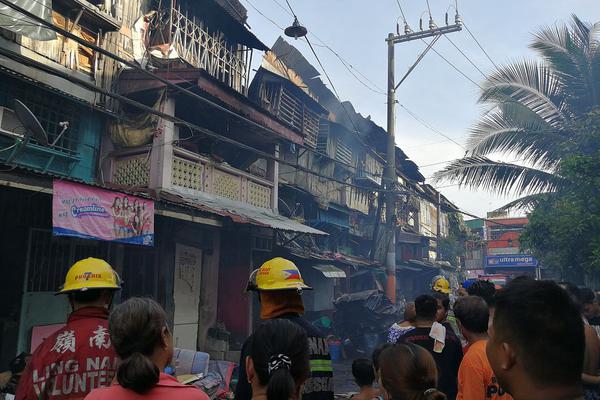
{"x":529,"y":340}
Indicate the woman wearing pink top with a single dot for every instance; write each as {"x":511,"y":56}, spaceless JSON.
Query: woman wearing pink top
{"x":139,"y":333}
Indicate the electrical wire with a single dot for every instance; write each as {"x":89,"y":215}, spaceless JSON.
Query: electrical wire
{"x":480,"y":46}
{"x":430,"y":127}
{"x":465,"y":56}
{"x":347,"y":65}
{"x":178,"y":121}
{"x":291,"y":9}
{"x":401,"y":10}
{"x":452,"y":65}
{"x":428,"y":8}
{"x":154,"y":76}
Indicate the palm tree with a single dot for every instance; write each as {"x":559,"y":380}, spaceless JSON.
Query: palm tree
{"x":537,"y":112}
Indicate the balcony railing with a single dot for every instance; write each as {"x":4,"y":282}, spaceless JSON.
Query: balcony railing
{"x":193,"y":174}
{"x":228,"y":63}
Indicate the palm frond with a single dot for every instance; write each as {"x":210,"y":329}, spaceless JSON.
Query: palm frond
{"x":513,"y":129}
{"x":525,"y":203}
{"x":531,"y":84}
{"x":557,"y":46}
{"x":498,"y":177}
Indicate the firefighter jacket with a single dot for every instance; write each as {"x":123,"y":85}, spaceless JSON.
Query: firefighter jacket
{"x":319,"y":385}
{"x":72,"y":361}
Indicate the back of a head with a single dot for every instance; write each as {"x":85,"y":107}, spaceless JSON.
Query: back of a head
{"x":408,"y":371}
{"x":443,"y":298}
{"x":363,"y":372}
{"x":410,"y":314}
{"x":376,"y":353}
{"x":574,"y":292}
{"x":545,"y":329}
{"x":484,"y":289}
{"x":473,"y":314}
{"x":279,"y":353}
{"x":426,"y":307}
{"x":587,"y":296}
{"x":136,"y":328}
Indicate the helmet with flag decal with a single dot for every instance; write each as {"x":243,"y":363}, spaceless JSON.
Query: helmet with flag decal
{"x":277,"y":274}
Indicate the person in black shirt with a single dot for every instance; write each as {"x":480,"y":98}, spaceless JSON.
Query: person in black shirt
{"x":279,"y":286}
{"x":447,"y":357}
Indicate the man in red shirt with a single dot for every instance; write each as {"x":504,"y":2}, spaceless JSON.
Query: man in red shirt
{"x":79,"y":357}
{"x":476,"y":380}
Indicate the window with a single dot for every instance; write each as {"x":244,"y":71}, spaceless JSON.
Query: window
{"x":50,"y":110}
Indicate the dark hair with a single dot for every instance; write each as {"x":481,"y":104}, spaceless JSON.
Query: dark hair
{"x":542,"y":323}
{"x":86,"y":296}
{"x":136,"y":328}
{"x":574,"y":292}
{"x":483,"y":289}
{"x":426,"y":307}
{"x":377,"y":353}
{"x":473,"y":313}
{"x":363,"y":372}
{"x":443,"y":298}
{"x":408,"y":372}
{"x":409,"y":312}
{"x":274,"y":341}
{"x":587,"y":296}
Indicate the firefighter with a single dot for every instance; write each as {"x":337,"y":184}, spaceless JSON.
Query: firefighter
{"x":279,"y":286}
{"x":79,"y":357}
{"x":440,"y":284}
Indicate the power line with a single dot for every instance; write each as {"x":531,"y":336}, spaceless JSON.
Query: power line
{"x":465,"y":56}
{"x":24,"y":60}
{"x":138,"y":105}
{"x":347,"y":65}
{"x":430,"y":127}
{"x":154,"y":76}
{"x":401,"y":10}
{"x":455,"y":67}
{"x":333,"y":87}
{"x":480,"y":46}
{"x":291,"y":9}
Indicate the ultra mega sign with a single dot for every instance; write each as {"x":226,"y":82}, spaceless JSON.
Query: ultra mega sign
{"x":514,"y":260}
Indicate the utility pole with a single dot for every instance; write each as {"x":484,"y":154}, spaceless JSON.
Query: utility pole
{"x":390,"y":179}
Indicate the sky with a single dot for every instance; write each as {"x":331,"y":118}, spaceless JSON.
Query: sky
{"x":434,"y":92}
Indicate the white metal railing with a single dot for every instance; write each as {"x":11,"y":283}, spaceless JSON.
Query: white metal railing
{"x":210,"y":51}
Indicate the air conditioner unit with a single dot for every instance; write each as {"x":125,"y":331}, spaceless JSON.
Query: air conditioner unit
{"x":9,"y":123}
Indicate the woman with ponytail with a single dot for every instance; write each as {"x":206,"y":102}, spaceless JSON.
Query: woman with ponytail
{"x":278,"y":361}
{"x":144,"y":344}
{"x":408,"y":372}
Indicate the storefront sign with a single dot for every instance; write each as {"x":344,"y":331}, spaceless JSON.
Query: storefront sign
{"x":91,"y":213}
{"x":508,"y":261}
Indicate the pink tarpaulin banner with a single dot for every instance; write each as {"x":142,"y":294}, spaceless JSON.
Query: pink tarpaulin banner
{"x":91,"y":213}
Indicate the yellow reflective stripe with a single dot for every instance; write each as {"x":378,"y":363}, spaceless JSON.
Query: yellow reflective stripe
{"x":321,"y":366}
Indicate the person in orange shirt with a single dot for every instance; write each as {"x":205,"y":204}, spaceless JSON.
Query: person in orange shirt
{"x":476,"y":380}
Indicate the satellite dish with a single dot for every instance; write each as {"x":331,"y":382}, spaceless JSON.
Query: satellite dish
{"x":30,"y":123}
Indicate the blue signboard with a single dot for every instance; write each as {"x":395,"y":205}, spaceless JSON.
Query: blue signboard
{"x":511,"y":261}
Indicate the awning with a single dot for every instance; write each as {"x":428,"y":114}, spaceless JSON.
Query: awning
{"x":408,"y":238}
{"x":239,"y":212}
{"x":330,"y":271}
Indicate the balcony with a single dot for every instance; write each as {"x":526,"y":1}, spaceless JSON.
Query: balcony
{"x":194,"y":174}
{"x":206,"y":37}
{"x":370,"y":171}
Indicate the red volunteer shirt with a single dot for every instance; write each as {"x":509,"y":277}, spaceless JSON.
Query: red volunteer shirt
{"x":72,"y":361}
{"x":167,"y":388}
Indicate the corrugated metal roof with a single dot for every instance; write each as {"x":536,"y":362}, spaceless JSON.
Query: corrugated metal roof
{"x":239,"y":212}
{"x":330,"y":271}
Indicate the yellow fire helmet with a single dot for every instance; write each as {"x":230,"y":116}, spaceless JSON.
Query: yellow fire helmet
{"x":89,"y":274}
{"x":277,"y":274}
{"x":440,"y":284}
